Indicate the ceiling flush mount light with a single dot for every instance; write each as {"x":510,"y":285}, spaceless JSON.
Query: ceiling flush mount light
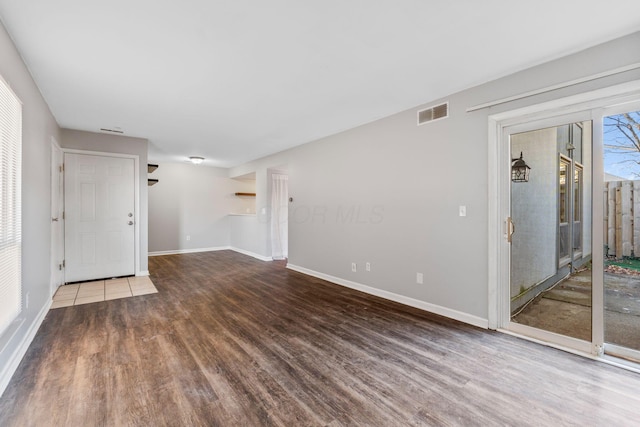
{"x":196,"y":160}
{"x":519,"y":170}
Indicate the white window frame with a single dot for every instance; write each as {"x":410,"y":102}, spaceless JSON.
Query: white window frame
{"x":10,"y":207}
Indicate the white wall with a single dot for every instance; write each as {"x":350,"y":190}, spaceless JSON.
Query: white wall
{"x":38,"y":127}
{"x":248,"y":235}
{"x":245,"y":204}
{"x":388,"y":192}
{"x":194,"y":201}
{"x":89,"y":141}
{"x":253,"y":234}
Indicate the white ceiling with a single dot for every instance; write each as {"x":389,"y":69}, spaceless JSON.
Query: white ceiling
{"x":234,"y":80}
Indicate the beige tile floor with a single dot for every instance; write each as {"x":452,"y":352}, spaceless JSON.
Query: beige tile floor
{"x":102,"y":290}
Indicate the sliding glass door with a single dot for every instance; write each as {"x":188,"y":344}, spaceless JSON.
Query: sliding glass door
{"x":564,"y":221}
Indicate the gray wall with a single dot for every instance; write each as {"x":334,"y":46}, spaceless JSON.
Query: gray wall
{"x":534,"y":209}
{"x":38,"y":127}
{"x":196,"y":201}
{"x":388,"y":192}
{"x":80,"y":140}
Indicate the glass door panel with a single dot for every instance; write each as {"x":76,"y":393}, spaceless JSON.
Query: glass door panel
{"x":550,"y":253}
{"x":621,"y":140}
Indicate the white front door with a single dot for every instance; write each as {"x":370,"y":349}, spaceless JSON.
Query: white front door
{"x":99,"y":217}
{"x":57,"y":222}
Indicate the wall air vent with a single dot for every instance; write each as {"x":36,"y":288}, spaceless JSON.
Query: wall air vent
{"x":434,"y":113}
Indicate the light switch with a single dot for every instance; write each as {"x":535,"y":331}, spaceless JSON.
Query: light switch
{"x":463,"y":210}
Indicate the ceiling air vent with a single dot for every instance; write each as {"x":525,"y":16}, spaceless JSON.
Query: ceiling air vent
{"x":434,"y":113}
{"x":116,"y":130}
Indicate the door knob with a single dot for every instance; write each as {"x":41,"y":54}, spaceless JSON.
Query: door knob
{"x":130,"y":215}
{"x":130,"y":222}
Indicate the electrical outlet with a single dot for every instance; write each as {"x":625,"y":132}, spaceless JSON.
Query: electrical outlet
{"x":26,"y":300}
{"x":463,"y":210}
{"x":419,"y":278}
{"x":354,"y":267}
{"x":367,"y":266}
{"x":188,"y":237}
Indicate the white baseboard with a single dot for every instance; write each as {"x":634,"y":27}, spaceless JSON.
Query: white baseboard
{"x":18,"y":354}
{"x":219,"y":248}
{"x":142,"y":273}
{"x":411,"y":302}
{"x":189,"y":251}
{"x":252,"y":254}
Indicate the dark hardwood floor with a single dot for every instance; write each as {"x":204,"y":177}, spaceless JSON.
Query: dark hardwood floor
{"x":233,"y":341}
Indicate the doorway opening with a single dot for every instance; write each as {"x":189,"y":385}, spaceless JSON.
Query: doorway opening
{"x":279,"y":189}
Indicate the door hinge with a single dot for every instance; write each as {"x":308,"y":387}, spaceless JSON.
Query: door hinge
{"x":63,"y":264}
{"x":61,"y":168}
{"x":62,"y":214}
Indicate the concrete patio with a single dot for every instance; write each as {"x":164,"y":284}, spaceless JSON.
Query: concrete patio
{"x":566,"y":309}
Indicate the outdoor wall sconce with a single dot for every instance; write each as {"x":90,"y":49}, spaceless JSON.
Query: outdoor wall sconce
{"x":519,"y":170}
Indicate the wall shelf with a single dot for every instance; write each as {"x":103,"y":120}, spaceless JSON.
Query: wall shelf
{"x":150,"y":169}
{"x":246,"y":194}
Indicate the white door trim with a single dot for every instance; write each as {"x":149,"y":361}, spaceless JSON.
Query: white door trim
{"x":498,"y":151}
{"x":55,"y":242}
{"x":136,"y":174}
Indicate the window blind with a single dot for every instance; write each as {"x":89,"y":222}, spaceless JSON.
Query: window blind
{"x":10,"y":206}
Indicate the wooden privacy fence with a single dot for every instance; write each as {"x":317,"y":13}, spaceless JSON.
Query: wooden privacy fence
{"x":622,"y":219}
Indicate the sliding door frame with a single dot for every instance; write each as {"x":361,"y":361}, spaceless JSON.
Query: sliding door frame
{"x":582,"y":107}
